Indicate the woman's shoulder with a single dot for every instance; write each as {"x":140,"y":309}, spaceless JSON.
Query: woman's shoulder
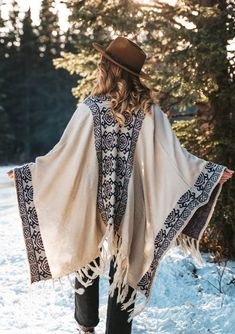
{"x":157,"y":114}
{"x":156,"y":108}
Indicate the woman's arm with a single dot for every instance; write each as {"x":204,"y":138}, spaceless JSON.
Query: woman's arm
{"x":10,"y":173}
{"x":228,"y":173}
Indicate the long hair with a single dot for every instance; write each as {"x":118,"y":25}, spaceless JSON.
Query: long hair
{"x":127,"y":92}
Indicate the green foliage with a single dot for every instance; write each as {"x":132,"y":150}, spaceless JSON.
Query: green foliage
{"x":84,"y":66}
{"x":196,"y":136}
{"x":8,"y":52}
{"x":177,"y":39}
{"x":49,"y":31}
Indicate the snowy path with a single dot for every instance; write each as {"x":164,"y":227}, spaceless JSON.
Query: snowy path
{"x":181,"y":303}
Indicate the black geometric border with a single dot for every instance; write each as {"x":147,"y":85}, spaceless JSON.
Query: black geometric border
{"x":38,"y":264}
{"x":92,"y":103}
{"x":179,"y":217}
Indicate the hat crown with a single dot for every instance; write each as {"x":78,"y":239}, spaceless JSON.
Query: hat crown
{"x":127,"y":53}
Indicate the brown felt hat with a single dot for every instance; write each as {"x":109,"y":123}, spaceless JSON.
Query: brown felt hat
{"x":126,"y":54}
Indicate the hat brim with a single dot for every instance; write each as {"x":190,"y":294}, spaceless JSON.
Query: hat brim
{"x":101,"y":49}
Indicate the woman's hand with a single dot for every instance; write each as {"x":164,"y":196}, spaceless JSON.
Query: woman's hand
{"x":10,"y":173}
{"x":228,"y":173}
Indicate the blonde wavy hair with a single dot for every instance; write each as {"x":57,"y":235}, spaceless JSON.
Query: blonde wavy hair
{"x":127,"y":92}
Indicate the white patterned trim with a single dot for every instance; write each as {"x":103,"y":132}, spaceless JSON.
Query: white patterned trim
{"x":38,"y":264}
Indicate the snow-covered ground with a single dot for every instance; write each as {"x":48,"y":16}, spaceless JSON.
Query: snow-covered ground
{"x":183,"y":302}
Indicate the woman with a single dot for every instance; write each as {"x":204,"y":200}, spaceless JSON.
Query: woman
{"x":117,"y":189}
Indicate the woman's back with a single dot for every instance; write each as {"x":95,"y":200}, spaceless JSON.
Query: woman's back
{"x":115,"y":147}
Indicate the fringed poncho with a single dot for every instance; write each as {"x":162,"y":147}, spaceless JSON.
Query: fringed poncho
{"x":106,"y":190}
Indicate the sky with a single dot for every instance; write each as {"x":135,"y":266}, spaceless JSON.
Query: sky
{"x":35,"y":6}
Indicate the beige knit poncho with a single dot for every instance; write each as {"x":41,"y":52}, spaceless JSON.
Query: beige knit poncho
{"x":104,"y":190}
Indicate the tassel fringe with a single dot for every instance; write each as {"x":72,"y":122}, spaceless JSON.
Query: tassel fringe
{"x":190,"y":246}
{"x":111,"y":248}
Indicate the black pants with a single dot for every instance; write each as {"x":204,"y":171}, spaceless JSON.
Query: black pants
{"x":87,"y":307}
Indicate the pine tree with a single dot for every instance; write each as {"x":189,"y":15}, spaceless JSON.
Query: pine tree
{"x":30,"y":61}
{"x":56,"y":104}
{"x":35,"y":98}
{"x":20,"y":71}
{"x":2,"y":56}
{"x":9,"y":73}
{"x":6,"y":135}
{"x":49,"y":31}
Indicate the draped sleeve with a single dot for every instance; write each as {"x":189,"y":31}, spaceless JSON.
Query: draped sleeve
{"x":199,"y":174}
{"x":179,"y":192}
{"x":53,"y":205}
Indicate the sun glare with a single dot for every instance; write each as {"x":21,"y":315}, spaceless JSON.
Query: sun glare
{"x":34,"y":5}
